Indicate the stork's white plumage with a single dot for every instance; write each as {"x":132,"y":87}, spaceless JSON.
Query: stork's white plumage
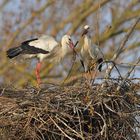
{"x":41,"y":48}
{"x":90,"y":53}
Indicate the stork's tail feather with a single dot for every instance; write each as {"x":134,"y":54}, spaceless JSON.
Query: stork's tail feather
{"x":13,"y":52}
{"x":99,"y":61}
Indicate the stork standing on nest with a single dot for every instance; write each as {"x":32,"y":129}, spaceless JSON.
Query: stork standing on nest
{"x":41,"y":48}
{"x":90,"y":53}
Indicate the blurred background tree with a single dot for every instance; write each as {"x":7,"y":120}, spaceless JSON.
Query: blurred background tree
{"x":109,"y":19}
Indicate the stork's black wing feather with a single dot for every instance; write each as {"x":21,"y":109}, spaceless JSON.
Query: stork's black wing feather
{"x":27,"y":49}
{"x":82,"y":63}
{"x":99,"y":61}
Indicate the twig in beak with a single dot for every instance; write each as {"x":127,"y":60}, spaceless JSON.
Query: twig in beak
{"x":74,"y":51}
{"x":76,"y":44}
{"x":82,"y":63}
{"x":73,"y":62}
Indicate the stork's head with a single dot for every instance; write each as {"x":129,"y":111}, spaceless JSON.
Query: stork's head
{"x":86,"y":30}
{"x":86,"y":27}
{"x":67,"y":42}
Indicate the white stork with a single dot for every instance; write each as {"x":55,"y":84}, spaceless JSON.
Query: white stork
{"x":43,"y":47}
{"x":90,"y":53}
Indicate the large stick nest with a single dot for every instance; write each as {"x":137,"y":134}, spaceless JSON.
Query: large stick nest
{"x":83,"y":112}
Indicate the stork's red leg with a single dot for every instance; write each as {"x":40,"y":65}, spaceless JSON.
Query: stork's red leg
{"x":38,"y":67}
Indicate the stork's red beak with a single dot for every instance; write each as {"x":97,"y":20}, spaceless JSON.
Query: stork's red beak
{"x":71,"y":45}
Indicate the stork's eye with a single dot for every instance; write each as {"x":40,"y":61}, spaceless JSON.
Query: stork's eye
{"x":69,"y":39}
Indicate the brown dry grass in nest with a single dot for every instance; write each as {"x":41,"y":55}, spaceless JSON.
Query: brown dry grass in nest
{"x":71,"y":112}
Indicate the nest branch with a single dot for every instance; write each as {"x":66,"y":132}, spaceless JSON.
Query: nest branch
{"x":79,"y":112}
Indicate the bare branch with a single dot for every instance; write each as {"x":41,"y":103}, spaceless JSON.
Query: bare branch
{"x":119,"y":51}
{"x":128,"y":74}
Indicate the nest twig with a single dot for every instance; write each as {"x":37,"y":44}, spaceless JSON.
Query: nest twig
{"x":71,"y":112}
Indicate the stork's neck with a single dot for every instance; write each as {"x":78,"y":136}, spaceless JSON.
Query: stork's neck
{"x":61,"y":52}
{"x":65,"y":49}
{"x":87,"y":42}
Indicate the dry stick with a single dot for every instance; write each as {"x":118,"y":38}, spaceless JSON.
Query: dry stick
{"x":7,"y":110}
{"x":102,"y":78}
{"x":80,"y":124}
{"x":73,"y":62}
{"x":93,"y":78}
{"x":97,"y":25}
{"x":88,"y":105}
{"x":38,"y":130}
{"x":128,"y":65}
{"x":110,"y":108}
{"x":60,"y":129}
{"x":113,"y":65}
{"x":107,"y":29}
{"x":2,"y":92}
{"x":104,"y":126}
{"x":119,"y":51}
{"x":76,"y":133}
{"x":128,"y":74}
{"x":97,"y":28}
